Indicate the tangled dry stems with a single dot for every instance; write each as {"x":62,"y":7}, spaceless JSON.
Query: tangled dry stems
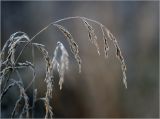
{"x":9,"y":63}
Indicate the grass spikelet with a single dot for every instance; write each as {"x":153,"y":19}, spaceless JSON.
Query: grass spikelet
{"x":48,"y":109}
{"x":123,"y":65}
{"x":106,"y":46}
{"x":72,"y":43}
{"x":25,"y":64}
{"x":118,"y":55}
{"x":48,"y":79}
{"x":91,"y":34}
{"x":14,"y":41}
{"x":8,"y":42}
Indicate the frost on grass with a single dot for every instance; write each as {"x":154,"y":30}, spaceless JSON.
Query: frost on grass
{"x":12,"y":43}
{"x":72,"y":43}
{"x":63,"y":64}
{"x":23,"y":96}
{"x":48,"y":79}
{"x":9,"y":64}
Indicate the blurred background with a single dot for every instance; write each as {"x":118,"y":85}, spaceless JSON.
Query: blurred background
{"x":98,"y":91}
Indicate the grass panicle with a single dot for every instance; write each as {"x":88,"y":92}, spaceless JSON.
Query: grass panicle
{"x":63,"y":63}
{"x":73,"y":45}
{"x":14,"y":42}
{"x":10,"y":64}
{"x":48,"y":79}
{"x":118,"y":55}
{"x":106,"y":46}
{"x":91,"y":34}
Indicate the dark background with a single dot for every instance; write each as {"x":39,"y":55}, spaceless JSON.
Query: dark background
{"x":98,"y":91}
